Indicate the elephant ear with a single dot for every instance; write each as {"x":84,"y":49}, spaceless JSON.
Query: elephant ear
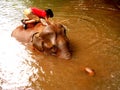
{"x":61,"y":30}
{"x":37,"y":41}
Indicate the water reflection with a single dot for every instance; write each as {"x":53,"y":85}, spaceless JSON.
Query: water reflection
{"x":15,"y":72}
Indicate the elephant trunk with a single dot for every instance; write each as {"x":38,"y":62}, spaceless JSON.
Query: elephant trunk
{"x":63,"y":48}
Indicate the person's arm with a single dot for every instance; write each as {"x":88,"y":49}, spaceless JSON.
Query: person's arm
{"x":29,"y":21}
{"x":25,"y":19}
{"x":47,"y":21}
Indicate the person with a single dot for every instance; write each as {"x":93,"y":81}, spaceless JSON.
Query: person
{"x":34,"y":15}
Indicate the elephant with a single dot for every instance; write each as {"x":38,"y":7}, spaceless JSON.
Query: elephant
{"x":23,"y":35}
{"x":50,"y":39}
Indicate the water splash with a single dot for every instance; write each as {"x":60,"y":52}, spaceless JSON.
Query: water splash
{"x":13,"y":68}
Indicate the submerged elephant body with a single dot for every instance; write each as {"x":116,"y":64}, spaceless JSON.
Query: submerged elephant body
{"x":50,"y":39}
{"x":23,"y":35}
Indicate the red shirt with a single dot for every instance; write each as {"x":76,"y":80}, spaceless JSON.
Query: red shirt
{"x":40,"y":13}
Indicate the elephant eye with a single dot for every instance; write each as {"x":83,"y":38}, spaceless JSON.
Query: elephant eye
{"x":47,"y":44}
{"x":54,"y":49}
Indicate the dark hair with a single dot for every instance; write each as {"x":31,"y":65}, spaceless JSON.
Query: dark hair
{"x":49,"y":12}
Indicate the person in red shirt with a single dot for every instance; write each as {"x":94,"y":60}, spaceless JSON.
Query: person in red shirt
{"x":34,"y":15}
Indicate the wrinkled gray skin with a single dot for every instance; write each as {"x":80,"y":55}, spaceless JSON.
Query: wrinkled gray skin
{"x":50,"y":39}
{"x":53,"y":40}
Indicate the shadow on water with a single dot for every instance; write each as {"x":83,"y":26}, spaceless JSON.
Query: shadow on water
{"x":94,"y":32}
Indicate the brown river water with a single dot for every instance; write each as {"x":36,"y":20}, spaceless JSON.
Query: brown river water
{"x":93,"y":27}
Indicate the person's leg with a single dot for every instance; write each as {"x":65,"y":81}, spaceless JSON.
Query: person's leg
{"x":29,"y":21}
{"x":31,"y":18}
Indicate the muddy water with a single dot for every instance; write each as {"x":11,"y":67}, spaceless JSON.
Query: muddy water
{"x":94,"y":32}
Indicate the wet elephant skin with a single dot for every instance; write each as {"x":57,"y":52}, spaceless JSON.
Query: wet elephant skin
{"x":51,"y":39}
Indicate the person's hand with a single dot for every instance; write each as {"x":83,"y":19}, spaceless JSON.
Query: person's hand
{"x":43,"y":21}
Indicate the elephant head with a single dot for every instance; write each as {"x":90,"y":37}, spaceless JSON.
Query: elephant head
{"x":52,"y":40}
